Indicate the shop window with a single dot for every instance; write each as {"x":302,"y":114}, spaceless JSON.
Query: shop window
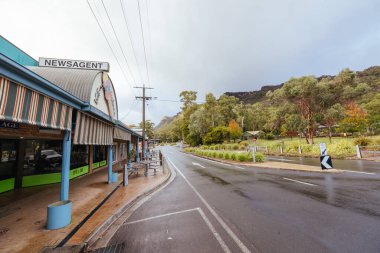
{"x":8,"y":152}
{"x":100,"y":153}
{"x":42,"y":156}
{"x":79,"y":156}
{"x":114,"y":153}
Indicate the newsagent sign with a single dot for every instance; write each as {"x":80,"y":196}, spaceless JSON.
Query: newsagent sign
{"x":73,"y":64}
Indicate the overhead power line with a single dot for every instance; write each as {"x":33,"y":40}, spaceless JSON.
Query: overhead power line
{"x":177,"y":101}
{"x":109,"y":44}
{"x":130,"y":38}
{"x":143,"y":41}
{"x":118,"y":42}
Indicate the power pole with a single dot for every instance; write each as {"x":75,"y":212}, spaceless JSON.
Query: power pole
{"x":144,"y":99}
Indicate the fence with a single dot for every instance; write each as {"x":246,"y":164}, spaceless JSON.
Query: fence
{"x":368,"y":151}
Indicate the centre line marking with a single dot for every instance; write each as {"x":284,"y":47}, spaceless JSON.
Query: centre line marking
{"x":240,"y":167}
{"x":361,"y":172}
{"x":234,"y":237}
{"x":226,"y":164}
{"x":162,"y":215}
{"x":293,"y":180}
{"x":197,"y":164}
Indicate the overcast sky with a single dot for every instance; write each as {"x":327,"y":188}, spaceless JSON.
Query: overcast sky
{"x":203,"y":45}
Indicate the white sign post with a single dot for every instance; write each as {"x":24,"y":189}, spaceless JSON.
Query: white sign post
{"x":253,"y":154}
{"x":325,"y":159}
{"x":323,"y":148}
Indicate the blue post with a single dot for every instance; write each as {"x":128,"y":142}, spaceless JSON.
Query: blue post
{"x":65,"y":175}
{"x":137,"y":150}
{"x":59,"y":213}
{"x":110,"y":164}
{"x":129,"y":147}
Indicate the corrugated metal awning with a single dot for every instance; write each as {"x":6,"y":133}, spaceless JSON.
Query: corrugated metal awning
{"x":92,"y":131}
{"x":120,"y":134}
{"x":20,"y":104}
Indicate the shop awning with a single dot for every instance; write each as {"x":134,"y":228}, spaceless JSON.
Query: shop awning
{"x":120,"y":134}
{"x":20,"y":104}
{"x":92,"y":131}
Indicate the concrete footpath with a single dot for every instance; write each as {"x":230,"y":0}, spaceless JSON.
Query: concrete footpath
{"x":23,"y":213}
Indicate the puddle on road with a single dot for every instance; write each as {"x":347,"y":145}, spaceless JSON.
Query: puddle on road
{"x":241,"y":193}
{"x":215,"y":179}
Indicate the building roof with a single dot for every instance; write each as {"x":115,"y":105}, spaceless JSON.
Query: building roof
{"x":77,"y":82}
{"x":20,"y":74}
{"x":253,"y":132}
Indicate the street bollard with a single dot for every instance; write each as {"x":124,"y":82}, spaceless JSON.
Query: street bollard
{"x":358,"y":153}
{"x":125,"y":175}
{"x":299,"y":150}
{"x":163,"y":165}
{"x":253,"y":155}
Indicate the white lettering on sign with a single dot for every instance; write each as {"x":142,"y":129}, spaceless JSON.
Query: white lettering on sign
{"x":73,"y":64}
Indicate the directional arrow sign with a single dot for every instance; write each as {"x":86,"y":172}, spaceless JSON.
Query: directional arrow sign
{"x":326,"y":162}
{"x":197,"y":164}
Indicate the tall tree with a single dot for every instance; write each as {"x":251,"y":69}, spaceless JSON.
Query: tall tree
{"x":211,"y":108}
{"x":149,"y":127}
{"x":226,"y":104}
{"x":332,"y":116}
{"x":234,"y":129}
{"x":188,"y":98}
{"x":356,"y":120}
{"x":302,"y":92}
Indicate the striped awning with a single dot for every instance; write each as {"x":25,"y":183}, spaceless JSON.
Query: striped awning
{"x":20,"y":104}
{"x":120,"y":134}
{"x":92,"y":131}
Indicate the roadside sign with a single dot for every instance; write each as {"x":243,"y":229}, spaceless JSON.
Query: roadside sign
{"x":326,"y":162}
{"x":323,"y":148}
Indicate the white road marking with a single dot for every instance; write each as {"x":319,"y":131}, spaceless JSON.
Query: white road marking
{"x":197,"y":164}
{"x":301,"y":182}
{"x":361,"y":172}
{"x":211,"y":160}
{"x":280,"y":159}
{"x":234,"y":237}
{"x":240,"y":167}
{"x":162,"y":215}
{"x":216,"y":234}
{"x":204,"y":217}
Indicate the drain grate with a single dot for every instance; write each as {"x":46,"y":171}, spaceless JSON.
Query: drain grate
{"x":117,"y":248}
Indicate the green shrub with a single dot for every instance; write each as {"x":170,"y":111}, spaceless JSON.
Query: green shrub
{"x":244,"y":143}
{"x":235,"y":146}
{"x":341,"y":149}
{"x":269,"y":136}
{"x":217,"y":146}
{"x":233,"y":156}
{"x":220,"y":155}
{"x":363,"y":141}
{"x":227,"y":156}
{"x":243,"y":157}
{"x":259,"y":157}
{"x":223,"y":146}
{"x":214,"y":154}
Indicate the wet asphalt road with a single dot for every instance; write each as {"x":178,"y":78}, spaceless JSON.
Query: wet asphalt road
{"x":213,"y":207}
